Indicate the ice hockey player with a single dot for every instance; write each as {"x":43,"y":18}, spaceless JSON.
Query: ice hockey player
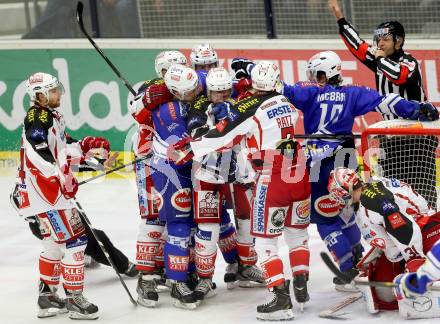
{"x":151,"y":235}
{"x":329,"y":110}
{"x":212,"y":179}
{"x":397,"y":225}
{"x":282,"y":193}
{"x":173,"y":182}
{"x":47,"y":187}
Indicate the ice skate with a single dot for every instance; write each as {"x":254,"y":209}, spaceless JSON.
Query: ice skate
{"x":182,"y":296}
{"x":279,"y":308}
{"x":147,"y":290}
{"x":342,"y":286}
{"x":205,"y":288}
{"x":300,"y":290}
{"x":49,"y":303}
{"x":79,"y":307}
{"x":250,"y":276}
{"x":230,"y":277}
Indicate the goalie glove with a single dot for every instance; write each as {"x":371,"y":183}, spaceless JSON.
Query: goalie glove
{"x":181,"y":152}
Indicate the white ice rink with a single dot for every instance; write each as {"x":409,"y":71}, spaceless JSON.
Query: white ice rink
{"x":112,"y":207}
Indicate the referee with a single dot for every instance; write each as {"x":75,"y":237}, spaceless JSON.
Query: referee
{"x":397,"y":72}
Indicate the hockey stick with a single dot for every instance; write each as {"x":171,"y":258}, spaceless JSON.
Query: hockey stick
{"x":331,"y":312}
{"x":103,"y":249}
{"x":326,"y":136}
{"x":79,"y":18}
{"x":116,"y":169}
{"x":333,"y":268}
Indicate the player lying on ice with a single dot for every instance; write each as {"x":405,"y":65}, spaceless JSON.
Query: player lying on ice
{"x":400,"y":229}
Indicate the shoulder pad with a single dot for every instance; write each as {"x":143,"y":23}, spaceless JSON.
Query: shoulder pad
{"x":41,"y":116}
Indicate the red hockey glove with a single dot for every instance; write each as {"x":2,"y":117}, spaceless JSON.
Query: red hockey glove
{"x":69,"y":184}
{"x":180,"y":153}
{"x":155,"y":95}
{"x":96,"y":145}
{"x":243,"y":85}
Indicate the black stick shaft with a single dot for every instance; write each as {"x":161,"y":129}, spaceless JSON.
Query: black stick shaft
{"x":79,"y":13}
{"x":103,"y":249}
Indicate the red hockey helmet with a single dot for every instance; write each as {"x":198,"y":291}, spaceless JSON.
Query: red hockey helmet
{"x":341,"y":183}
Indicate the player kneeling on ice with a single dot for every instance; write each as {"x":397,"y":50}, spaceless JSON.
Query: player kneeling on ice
{"x":399,"y":227}
{"x":46,"y":189}
{"x":282,"y":193}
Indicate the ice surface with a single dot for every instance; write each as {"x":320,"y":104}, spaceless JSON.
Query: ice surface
{"x":112,"y":206}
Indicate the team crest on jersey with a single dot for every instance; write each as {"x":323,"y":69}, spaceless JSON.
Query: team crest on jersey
{"x":181,"y":200}
{"x":327,"y":207}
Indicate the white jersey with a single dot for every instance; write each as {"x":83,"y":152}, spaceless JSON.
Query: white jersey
{"x":45,"y":150}
{"x":386,"y":217}
{"x":264,"y":122}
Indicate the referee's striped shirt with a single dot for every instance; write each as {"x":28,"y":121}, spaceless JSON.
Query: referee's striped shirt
{"x":399,"y":73}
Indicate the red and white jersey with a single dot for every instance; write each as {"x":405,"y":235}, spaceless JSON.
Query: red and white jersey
{"x":387,"y":218}
{"x":266,"y":123}
{"x":46,"y":148}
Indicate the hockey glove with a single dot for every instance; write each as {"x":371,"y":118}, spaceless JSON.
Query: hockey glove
{"x":428,"y":112}
{"x":180,"y":153}
{"x":34,"y":226}
{"x":242,"y":67}
{"x":97,"y":146}
{"x":155,"y":95}
{"x":69,"y":184}
{"x":409,"y":285}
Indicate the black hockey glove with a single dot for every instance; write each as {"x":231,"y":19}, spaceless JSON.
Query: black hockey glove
{"x":242,"y":67}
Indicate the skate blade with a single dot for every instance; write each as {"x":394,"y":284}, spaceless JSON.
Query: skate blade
{"x":281,"y":315}
{"x":190,"y":306}
{"x":346,"y":288}
{"x":147,"y":302}
{"x":79,"y":316}
{"x":301,"y":307}
{"x":50,"y":312}
{"x":250,"y":284}
{"x":231,"y":285}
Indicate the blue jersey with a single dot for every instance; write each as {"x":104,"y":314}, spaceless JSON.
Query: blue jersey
{"x":202,"y":80}
{"x":169,"y":121}
{"x":332,"y":110}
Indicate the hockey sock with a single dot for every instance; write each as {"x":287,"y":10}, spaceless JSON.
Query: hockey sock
{"x":148,"y":245}
{"x":228,"y":239}
{"x":206,"y":248}
{"x":72,"y":264}
{"x":176,"y":251}
{"x":299,"y":254}
{"x":270,"y":262}
{"x":245,"y":243}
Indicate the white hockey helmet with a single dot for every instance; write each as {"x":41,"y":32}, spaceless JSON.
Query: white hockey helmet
{"x":203,"y":54}
{"x":265,"y":76}
{"x":166,"y":58}
{"x":181,"y":80}
{"x":328,"y":62}
{"x":41,"y":82}
{"x":218,"y":79}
